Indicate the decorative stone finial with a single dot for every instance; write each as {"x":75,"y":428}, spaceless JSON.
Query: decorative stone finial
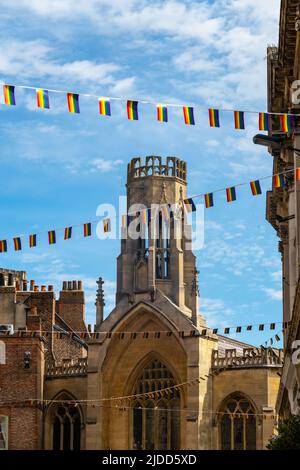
{"x":99,"y":303}
{"x":100,"y":293}
{"x":195,"y":284}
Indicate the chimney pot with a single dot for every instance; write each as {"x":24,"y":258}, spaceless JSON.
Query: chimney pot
{"x":89,"y":328}
{"x":74,"y":285}
{"x":64,"y":286}
{"x":17,"y":285}
{"x":79,"y":285}
{"x":69,"y":285}
{"x":31,"y":285}
{"x":43,"y":288}
{"x":50,"y":288}
{"x":24,"y":285}
{"x":36,"y":288}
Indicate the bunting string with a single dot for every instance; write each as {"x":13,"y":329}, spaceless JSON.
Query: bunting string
{"x":287,"y":120}
{"x":121,"y":401}
{"x":279,"y":182}
{"x":260,"y":327}
{"x":271,"y":340}
{"x":123,"y":407}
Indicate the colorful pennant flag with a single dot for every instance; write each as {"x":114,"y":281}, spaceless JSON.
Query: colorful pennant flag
{"x":238,"y":329}
{"x":87,"y":229}
{"x":68,"y":233}
{"x":261,"y":327}
{"x":132,"y":110}
{"x":3,"y":246}
{"x":277,"y":337}
{"x":51,"y":237}
{"x":188,"y":114}
{"x":226,"y":331}
{"x":287,"y":123}
{"x":297,"y":174}
{"x":214,"y":117}
{"x":209,"y":200}
{"x":73,"y":102}
{"x":239,"y":119}
{"x":189,"y":205}
{"x":17,"y":244}
{"x":255,"y":187}
{"x":42,"y":98}
{"x":278,"y":181}
{"x":162,"y":113}
{"x":272,"y":326}
{"x":264,"y":122}
{"x":249,"y":327}
{"x":106,"y":225}
{"x":231,"y":194}
{"x":9,"y":94}
{"x":104,"y":107}
{"x":32,"y":241}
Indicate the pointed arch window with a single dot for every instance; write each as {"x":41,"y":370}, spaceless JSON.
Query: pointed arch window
{"x":155,"y":419}
{"x":66,"y":428}
{"x":237,"y":424}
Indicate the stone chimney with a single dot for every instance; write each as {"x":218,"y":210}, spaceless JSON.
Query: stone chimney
{"x":71,"y":305}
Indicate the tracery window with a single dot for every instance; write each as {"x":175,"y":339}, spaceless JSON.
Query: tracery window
{"x":66,"y":428}
{"x":3,"y":432}
{"x":156,"y":420}
{"x":237,"y":424}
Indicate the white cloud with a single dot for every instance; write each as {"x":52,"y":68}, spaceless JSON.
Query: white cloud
{"x":217,"y":46}
{"x":104,"y":166}
{"x":214,"y":310}
{"x":277,"y":275}
{"x":273,"y":294}
{"x":38,"y":60}
{"x":122,"y":86}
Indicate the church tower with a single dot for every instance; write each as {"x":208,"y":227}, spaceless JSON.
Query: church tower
{"x":158,"y":260}
{"x":152,"y":339}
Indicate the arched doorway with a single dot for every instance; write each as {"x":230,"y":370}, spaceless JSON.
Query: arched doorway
{"x":155,"y":420}
{"x":237,"y":424}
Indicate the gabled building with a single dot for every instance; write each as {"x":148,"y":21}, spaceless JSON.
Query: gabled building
{"x":151,"y":375}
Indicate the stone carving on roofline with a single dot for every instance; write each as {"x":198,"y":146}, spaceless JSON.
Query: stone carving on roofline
{"x":154,"y":167}
{"x":249,"y":357}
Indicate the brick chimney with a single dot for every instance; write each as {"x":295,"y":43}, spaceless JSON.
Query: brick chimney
{"x":71,"y":305}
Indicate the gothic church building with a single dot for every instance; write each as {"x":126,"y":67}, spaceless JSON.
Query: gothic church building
{"x":151,"y":375}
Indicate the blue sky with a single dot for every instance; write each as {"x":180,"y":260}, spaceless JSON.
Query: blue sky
{"x":56,"y":168}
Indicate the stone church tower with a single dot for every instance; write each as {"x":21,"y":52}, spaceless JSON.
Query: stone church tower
{"x":157,"y":290}
{"x":223,"y":391}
